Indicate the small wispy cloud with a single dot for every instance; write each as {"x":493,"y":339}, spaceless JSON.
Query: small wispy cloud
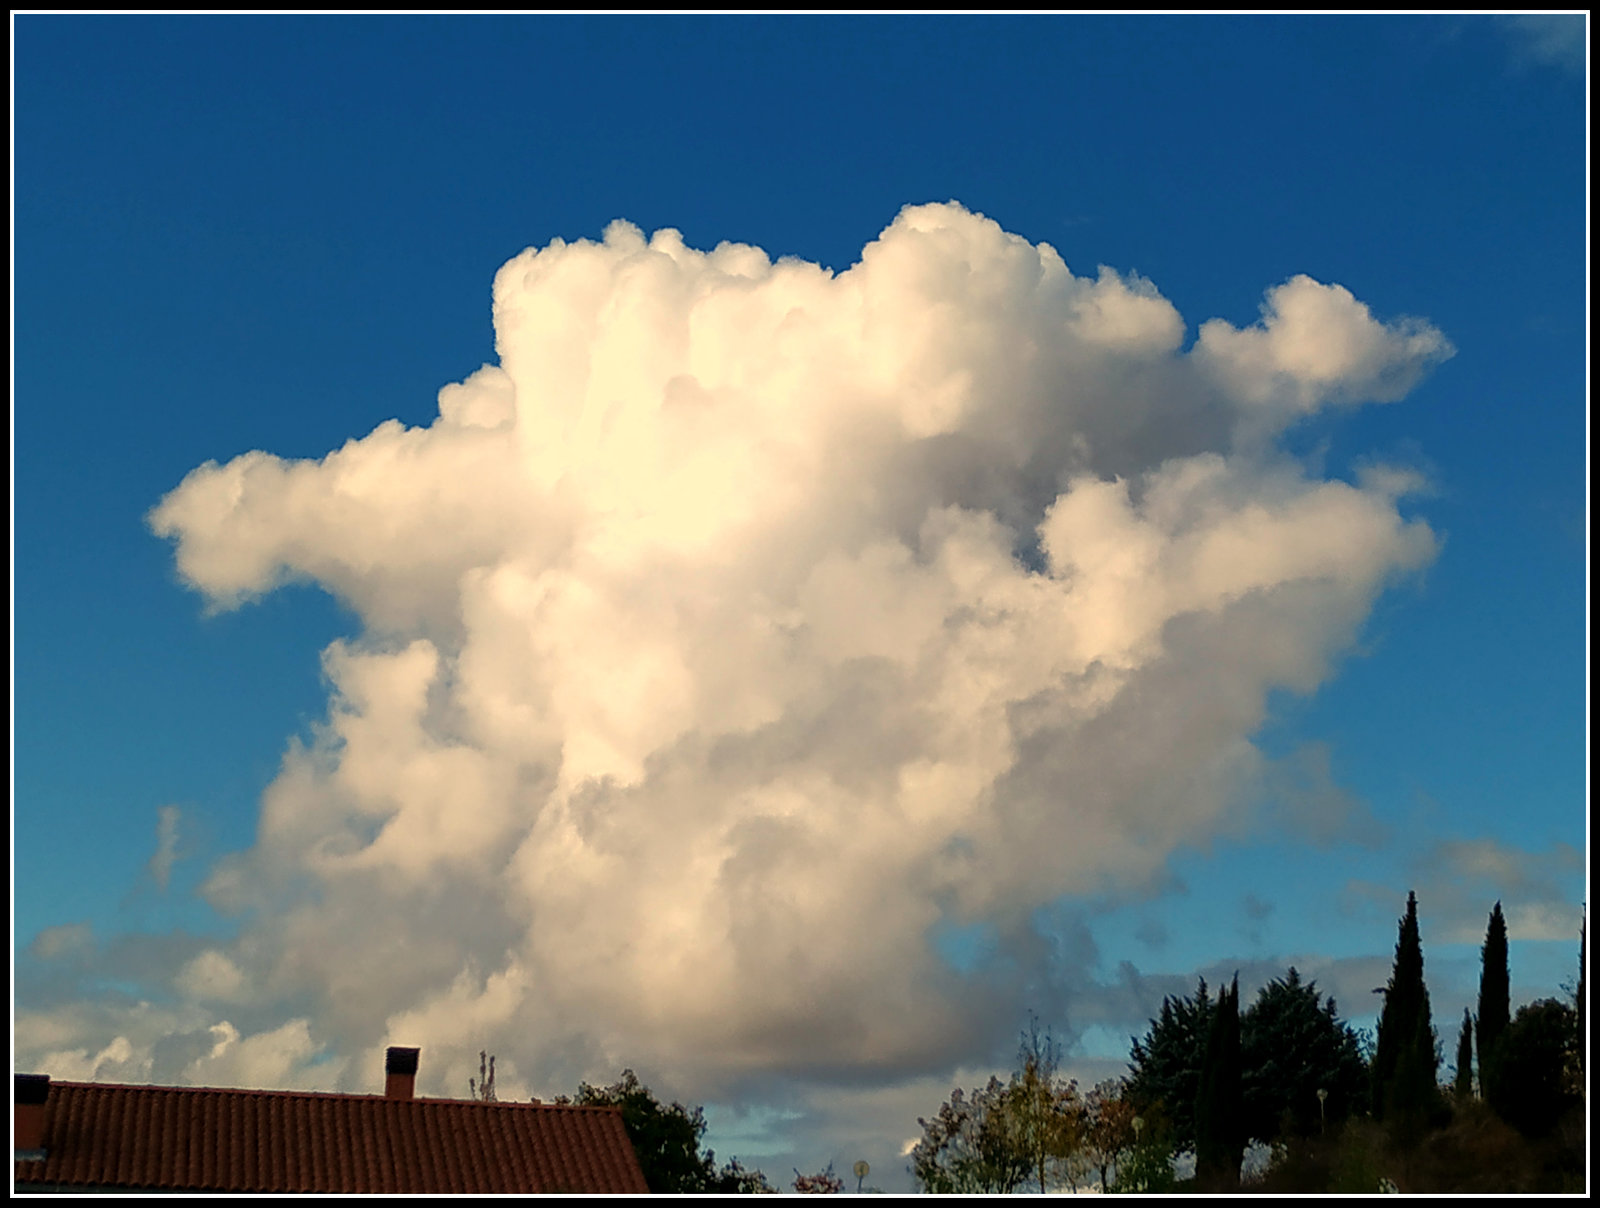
{"x":1549,"y":40}
{"x":1257,"y":910}
{"x":166,"y":854}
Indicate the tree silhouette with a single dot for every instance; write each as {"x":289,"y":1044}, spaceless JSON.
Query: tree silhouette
{"x":667,"y":1140}
{"x":1463,"y":1085}
{"x":1293,"y":1045}
{"x":1529,"y":1091}
{"x":1494,"y":996}
{"x":1405,"y":1068}
{"x":1166,"y":1063}
{"x":1219,"y":1108}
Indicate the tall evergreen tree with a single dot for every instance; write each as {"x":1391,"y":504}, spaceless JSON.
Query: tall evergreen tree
{"x":1494,"y":996}
{"x":1219,"y":1109}
{"x":1291,"y":1046}
{"x":1405,"y":1068}
{"x":1166,"y":1063}
{"x":1464,"y":1057}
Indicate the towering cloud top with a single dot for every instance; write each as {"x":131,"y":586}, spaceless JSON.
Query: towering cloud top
{"x":747,"y":623}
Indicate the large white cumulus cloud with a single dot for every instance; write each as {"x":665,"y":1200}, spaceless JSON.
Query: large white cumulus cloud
{"x":747,"y":623}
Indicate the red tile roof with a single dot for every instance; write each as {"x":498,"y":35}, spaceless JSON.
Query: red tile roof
{"x":200,"y":1139}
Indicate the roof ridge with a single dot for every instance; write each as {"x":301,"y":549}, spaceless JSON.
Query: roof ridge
{"x":56,"y":1083}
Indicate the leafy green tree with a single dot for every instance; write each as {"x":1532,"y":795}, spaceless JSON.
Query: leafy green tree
{"x":667,"y":1140}
{"x":970,"y":1146}
{"x":1529,"y":1087}
{"x":1166,"y":1063}
{"x":1405,"y":1068}
{"x":1494,"y":994}
{"x":1035,"y":1129}
{"x":1044,"y":1109}
{"x":1219,"y":1106}
{"x":1108,"y":1132}
{"x":1293,"y":1045}
{"x":1463,"y":1086}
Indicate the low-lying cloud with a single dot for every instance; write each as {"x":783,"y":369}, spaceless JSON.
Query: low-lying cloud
{"x":748,"y":623}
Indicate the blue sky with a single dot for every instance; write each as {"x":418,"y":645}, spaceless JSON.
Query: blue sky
{"x":237,"y":234}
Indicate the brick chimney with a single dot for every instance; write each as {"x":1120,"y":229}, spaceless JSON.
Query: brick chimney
{"x":28,"y":1094}
{"x":400,"y":1073}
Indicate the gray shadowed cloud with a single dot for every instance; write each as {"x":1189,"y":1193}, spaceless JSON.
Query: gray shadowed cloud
{"x":1457,"y":881}
{"x":54,"y":943}
{"x":1152,"y":933}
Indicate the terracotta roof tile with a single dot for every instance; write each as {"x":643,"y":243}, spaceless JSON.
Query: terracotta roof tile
{"x":200,"y":1139}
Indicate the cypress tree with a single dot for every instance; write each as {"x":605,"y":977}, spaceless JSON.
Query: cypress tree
{"x":1494,"y":996}
{"x":1405,"y":1068}
{"x":1219,"y":1108}
{"x":1464,"y":1057}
